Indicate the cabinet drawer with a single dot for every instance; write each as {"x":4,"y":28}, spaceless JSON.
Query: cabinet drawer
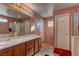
{"x":39,"y":44}
{"x":30,"y":42}
{"x":30,"y":52}
{"x":29,"y":46}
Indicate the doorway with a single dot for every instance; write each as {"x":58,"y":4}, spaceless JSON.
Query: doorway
{"x":62,"y":36}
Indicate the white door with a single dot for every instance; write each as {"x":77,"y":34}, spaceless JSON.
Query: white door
{"x":62,"y":31}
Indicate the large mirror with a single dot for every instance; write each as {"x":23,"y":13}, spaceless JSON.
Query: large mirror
{"x":13,"y":23}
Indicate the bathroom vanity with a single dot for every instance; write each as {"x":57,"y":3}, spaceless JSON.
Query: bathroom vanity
{"x":20,"y":46}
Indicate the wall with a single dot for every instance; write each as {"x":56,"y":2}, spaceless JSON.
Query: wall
{"x":71,"y":11}
{"x":39,"y":26}
{"x":42,"y":30}
{"x":4,"y":26}
{"x":48,"y":31}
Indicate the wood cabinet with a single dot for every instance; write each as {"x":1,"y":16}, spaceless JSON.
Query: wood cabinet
{"x":30,"y":52}
{"x":19,"y":50}
{"x":36,"y":45}
{"x":30,"y":48}
{"x":7,"y":52}
{"x":39,"y":43}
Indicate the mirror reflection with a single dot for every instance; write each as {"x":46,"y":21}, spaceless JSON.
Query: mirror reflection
{"x":13,"y":23}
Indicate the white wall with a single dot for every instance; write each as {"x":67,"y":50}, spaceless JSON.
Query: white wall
{"x":42,"y":30}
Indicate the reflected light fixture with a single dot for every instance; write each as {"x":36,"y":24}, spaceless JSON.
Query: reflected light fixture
{"x":3,"y":20}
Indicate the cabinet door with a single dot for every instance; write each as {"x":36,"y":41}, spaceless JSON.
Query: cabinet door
{"x":30,"y":48}
{"x":7,"y":52}
{"x":19,"y":50}
{"x":30,"y":52}
{"x":36,"y":45}
{"x":39,"y":43}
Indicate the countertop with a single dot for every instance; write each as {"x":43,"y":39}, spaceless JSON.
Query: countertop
{"x":13,"y":41}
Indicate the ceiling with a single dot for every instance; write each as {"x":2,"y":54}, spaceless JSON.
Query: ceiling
{"x":46,"y":9}
{"x":58,"y":6}
{"x":43,"y":9}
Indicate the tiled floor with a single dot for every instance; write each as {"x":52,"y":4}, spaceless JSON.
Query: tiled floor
{"x":46,"y":49}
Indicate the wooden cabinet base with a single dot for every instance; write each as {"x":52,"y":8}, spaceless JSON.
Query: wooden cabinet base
{"x":39,"y":43}
{"x":24,"y":49}
{"x":36,"y":45}
{"x":7,"y":52}
{"x":30,"y":48}
{"x":19,"y":50}
{"x":30,"y":52}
